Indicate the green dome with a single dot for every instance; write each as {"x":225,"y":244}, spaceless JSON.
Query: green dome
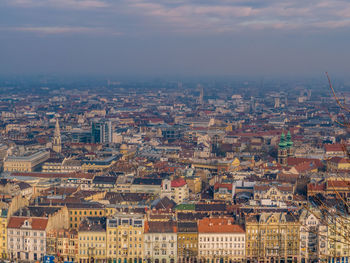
{"x":289,"y":142}
{"x":283,"y":142}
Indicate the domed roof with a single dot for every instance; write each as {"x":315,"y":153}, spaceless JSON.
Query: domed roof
{"x":289,"y":140}
{"x":282,"y":143}
{"x":123,"y":147}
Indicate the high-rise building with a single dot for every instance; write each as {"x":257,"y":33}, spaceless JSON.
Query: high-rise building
{"x":101,"y":131}
{"x":56,"y":144}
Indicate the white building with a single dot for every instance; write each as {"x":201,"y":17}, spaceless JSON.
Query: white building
{"x":220,"y":239}
{"x":176,"y":190}
{"x":313,"y":236}
{"x":160,"y":242}
{"x":26,"y":238}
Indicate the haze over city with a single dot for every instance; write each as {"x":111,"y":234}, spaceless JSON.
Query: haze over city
{"x":174,"y":131}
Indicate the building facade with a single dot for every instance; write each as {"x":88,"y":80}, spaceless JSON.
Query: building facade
{"x":272,"y":237}
{"x":313,"y":236}
{"x":27,"y":163}
{"x":187,"y":241}
{"x":92,"y":240}
{"x":125,"y":237}
{"x":26,"y":238}
{"x":160,"y":242}
{"x":220,"y":240}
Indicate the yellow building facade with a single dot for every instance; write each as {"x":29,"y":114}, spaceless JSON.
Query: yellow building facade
{"x":187,"y":241}
{"x":77,"y":212}
{"x":92,"y":241}
{"x":272,"y":237}
{"x":338,"y":241}
{"x":3,"y":233}
{"x":125,"y":238}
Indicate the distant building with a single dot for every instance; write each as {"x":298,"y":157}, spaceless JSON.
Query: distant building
{"x":224,"y":191}
{"x":338,"y":164}
{"x":285,"y":149}
{"x":101,"y":131}
{"x":176,"y":190}
{"x":57,"y":144}
{"x":27,"y":163}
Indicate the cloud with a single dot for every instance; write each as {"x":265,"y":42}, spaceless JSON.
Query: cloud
{"x":232,"y":15}
{"x":198,"y":16}
{"x":69,"y":4}
{"x":54,"y":30}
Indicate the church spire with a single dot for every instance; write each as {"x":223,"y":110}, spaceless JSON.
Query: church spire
{"x":57,"y":129}
{"x":289,"y":140}
{"x":56,"y":145}
{"x":282,"y":143}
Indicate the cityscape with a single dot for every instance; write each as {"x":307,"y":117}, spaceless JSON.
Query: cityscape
{"x":174,"y":131}
{"x":181,"y":172}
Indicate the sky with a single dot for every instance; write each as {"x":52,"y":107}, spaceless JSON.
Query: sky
{"x":175,"y":37}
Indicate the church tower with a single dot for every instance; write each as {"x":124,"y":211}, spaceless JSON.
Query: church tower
{"x":289,"y":144}
{"x":282,"y":151}
{"x":56,"y":144}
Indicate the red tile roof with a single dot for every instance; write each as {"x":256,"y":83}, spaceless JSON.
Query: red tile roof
{"x":36,"y":223}
{"x":219,"y":185}
{"x":318,"y":187}
{"x":178,"y":182}
{"x":337,"y":147}
{"x":219,"y":225}
{"x":338,"y":184}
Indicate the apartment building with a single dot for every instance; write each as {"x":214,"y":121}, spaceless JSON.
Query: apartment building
{"x":273,"y":237}
{"x":313,"y":236}
{"x":160,"y":241}
{"x":220,"y":239}
{"x":125,"y":237}
{"x":26,"y":238}
{"x":92,"y":240}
